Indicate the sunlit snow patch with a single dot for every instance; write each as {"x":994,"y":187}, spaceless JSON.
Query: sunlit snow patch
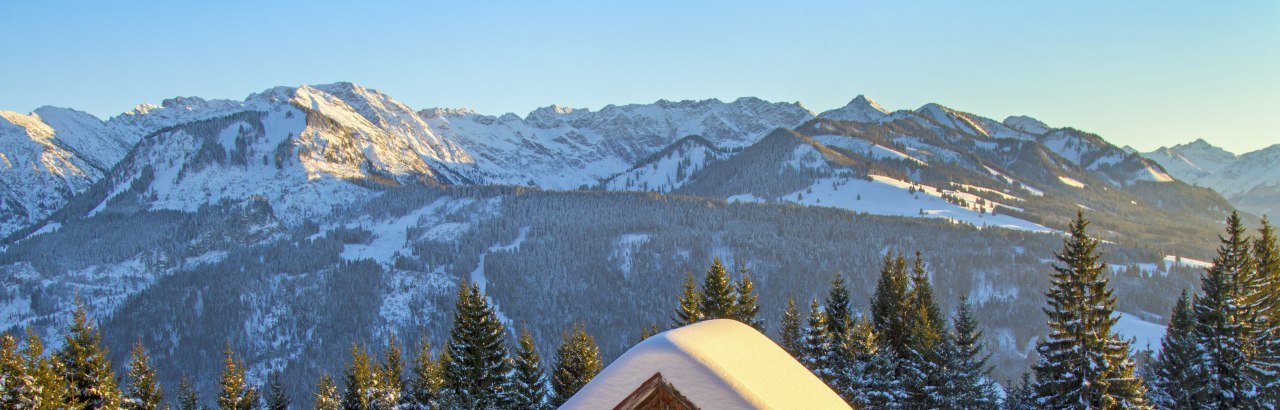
{"x":887,"y":196}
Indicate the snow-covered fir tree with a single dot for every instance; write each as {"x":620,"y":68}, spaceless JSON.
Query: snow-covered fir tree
{"x":188,"y":398}
{"x":577,"y":362}
{"x":1179,"y":373}
{"x":1083,"y":363}
{"x":529,"y":389}
{"x":428,"y":378}
{"x":689,"y":311}
{"x":389,"y":390}
{"x":814,"y":345}
{"x":84,"y":365}
{"x":17,"y":389}
{"x":1266,"y":255}
{"x":790,"y":333}
{"x":326,"y":395}
{"x":889,"y":304}
{"x":141,"y":391}
{"x":970,"y":375}
{"x":359,"y":381}
{"x":718,"y":296}
{"x":234,"y":392}
{"x":477,"y":367}
{"x":54,"y":393}
{"x":1021,"y":395}
{"x":919,"y":358}
{"x":1228,"y":324}
{"x":745,"y":306}
{"x":277,"y":398}
{"x":837,"y":358}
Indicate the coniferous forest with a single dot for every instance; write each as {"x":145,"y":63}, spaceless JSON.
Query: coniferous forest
{"x":897,"y":350}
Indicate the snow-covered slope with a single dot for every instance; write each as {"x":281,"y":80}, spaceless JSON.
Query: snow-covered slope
{"x":48,"y":156}
{"x":305,"y":150}
{"x":1192,"y":161}
{"x":860,"y":109}
{"x":669,"y":169}
{"x":563,"y":148}
{"x":1251,"y":181}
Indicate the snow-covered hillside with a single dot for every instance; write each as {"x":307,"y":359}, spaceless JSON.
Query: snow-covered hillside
{"x":49,"y":155}
{"x":1251,"y":181}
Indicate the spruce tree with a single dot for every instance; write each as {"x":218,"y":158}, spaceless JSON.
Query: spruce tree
{"x":717,"y":293}
{"x":85,"y":367}
{"x":689,"y":310}
{"x":428,"y":378}
{"x":924,"y":320}
{"x":53,"y":393}
{"x":889,"y":304}
{"x":235,"y":393}
{"x":837,"y":358}
{"x":974,"y":388}
{"x":814,"y":345}
{"x":188,"y":399}
{"x":477,"y":369}
{"x":746,"y":309}
{"x":1021,"y":395}
{"x":1227,"y":323}
{"x":326,"y":395}
{"x":389,"y":390}
{"x":879,"y":386}
{"x":790,"y":334}
{"x":17,"y":389}
{"x":577,"y":362}
{"x":360,"y":380}
{"x":142,"y":391}
{"x":277,"y":398}
{"x":922,"y":367}
{"x":530,"y":384}
{"x":1266,"y":255}
{"x":1084,"y":364}
{"x":647,"y":332}
{"x":1179,"y":374}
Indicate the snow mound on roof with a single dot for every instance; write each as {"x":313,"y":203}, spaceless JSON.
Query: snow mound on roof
{"x":716,"y":364}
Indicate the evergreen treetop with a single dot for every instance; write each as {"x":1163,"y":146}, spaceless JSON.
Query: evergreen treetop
{"x":84,"y":365}
{"x":235,"y":393}
{"x":718,"y":298}
{"x":689,"y":310}
{"x":577,"y":362}
{"x":790,"y":336}
{"x":1083,"y":363}
{"x":530,"y":384}
{"x":142,"y":391}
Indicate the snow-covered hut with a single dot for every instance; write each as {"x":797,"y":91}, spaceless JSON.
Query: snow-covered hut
{"x":715,"y":364}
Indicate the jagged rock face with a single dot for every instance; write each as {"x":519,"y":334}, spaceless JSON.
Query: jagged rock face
{"x":299,"y":148}
{"x":562,"y":148}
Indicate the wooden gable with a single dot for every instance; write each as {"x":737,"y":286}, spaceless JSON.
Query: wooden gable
{"x":655,"y":394}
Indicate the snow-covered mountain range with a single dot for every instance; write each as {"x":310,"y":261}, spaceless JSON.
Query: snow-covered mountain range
{"x":1250,"y":181}
{"x":338,"y":205}
{"x":284,"y":136}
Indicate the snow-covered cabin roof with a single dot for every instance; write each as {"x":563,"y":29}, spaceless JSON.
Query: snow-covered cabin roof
{"x":715,"y":364}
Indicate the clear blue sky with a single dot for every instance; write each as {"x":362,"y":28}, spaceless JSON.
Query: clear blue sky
{"x":1144,"y":73}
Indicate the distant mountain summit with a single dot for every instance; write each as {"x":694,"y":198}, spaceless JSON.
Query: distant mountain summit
{"x":860,"y":109}
{"x":1251,"y":181}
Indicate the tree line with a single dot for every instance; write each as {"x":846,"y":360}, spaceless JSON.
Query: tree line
{"x":1222,"y":348}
